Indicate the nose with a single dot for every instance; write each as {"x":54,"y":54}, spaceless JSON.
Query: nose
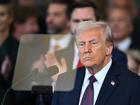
{"x":87,"y":48}
{"x":49,"y":18}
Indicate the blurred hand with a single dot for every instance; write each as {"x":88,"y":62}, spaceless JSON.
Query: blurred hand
{"x":51,"y":60}
{"x":39,"y":64}
{"x":48,"y":60}
{"x":6,"y":67}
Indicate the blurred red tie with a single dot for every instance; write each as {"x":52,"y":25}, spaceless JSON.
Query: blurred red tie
{"x":79,"y":64}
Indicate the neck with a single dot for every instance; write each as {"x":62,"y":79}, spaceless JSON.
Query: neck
{"x":61,"y":35}
{"x":96,"y":68}
{"x":120,"y":40}
{"x":65,"y":31}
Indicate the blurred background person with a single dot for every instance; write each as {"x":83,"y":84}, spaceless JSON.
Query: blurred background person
{"x":132,"y":6}
{"x":40,"y":8}
{"x":121,"y":22}
{"x":25,"y":21}
{"x":122,"y":27}
{"x":6,"y":61}
{"x":57,"y":22}
{"x":128,"y":4}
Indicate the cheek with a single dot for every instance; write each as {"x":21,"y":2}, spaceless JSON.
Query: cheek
{"x":60,"y":20}
{"x":3,"y":19}
{"x":35,"y":27}
{"x":47,"y":19}
{"x":80,"y":52}
{"x":123,"y":26}
{"x":73,"y":25}
{"x":100,"y":52}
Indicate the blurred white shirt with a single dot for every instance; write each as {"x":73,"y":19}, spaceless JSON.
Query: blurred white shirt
{"x":61,"y":43}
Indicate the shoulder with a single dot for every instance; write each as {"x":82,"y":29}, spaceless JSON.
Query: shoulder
{"x":128,"y":76}
{"x":124,"y":74}
{"x":131,"y":77}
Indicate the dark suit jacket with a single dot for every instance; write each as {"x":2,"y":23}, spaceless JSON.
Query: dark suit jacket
{"x":119,"y":56}
{"x":125,"y":91}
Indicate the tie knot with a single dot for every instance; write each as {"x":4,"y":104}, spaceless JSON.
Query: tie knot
{"x":92,"y":79}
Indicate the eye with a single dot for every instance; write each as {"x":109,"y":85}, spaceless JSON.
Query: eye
{"x":93,"y":42}
{"x":81,"y":44}
{"x":57,"y":14}
{"x":76,"y":20}
{"x":2,"y":14}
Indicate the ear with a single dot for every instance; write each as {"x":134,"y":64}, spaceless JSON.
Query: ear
{"x":109,"y":48}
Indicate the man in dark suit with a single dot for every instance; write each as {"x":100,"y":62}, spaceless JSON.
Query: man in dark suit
{"x":109,"y":83}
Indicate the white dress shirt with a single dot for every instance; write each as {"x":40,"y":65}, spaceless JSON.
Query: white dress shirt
{"x":124,"y":45}
{"x":100,"y":76}
{"x":62,"y":43}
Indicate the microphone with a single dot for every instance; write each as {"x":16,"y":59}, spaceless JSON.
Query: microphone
{"x":51,"y":71}
{"x":46,"y":89}
{"x":43,"y":78}
{"x":47,"y":72}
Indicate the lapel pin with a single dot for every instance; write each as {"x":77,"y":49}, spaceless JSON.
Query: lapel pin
{"x":112,"y":83}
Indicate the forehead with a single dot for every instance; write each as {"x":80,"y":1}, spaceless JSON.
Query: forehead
{"x":57,"y":7}
{"x":83,"y":13}
{"x":3,"y":8}
{"x":32,"y":19}
{"x":90,"y":34}
{"x":118,"y":12}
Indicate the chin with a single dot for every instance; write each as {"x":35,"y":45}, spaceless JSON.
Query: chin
{"x":87,"y":64}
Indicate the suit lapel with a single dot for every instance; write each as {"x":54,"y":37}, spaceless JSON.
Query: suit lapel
{"x":109,"y":85}
{"x":78,"y":85}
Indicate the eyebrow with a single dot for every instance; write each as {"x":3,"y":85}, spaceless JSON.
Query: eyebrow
{"x":88,"y":41}
{"x":78,"y":20}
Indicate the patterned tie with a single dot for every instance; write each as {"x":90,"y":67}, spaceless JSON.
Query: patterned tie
{"x":89,"y":92}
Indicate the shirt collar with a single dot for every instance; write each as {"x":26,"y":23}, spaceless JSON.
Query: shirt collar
{"x":63,"y":42}
{"x":100,"y":76}
{"x":124,"y":44}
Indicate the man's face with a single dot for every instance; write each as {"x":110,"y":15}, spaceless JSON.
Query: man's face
{"x":81,"y":14}
{"x":5,"y":18}
{"x":56,"y":19}
{"x":120,"y":23}
{"x":93,"y":49}
{"x":30,"y":26}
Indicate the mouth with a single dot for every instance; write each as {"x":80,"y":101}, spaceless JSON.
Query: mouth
{"x":87,"y":59}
